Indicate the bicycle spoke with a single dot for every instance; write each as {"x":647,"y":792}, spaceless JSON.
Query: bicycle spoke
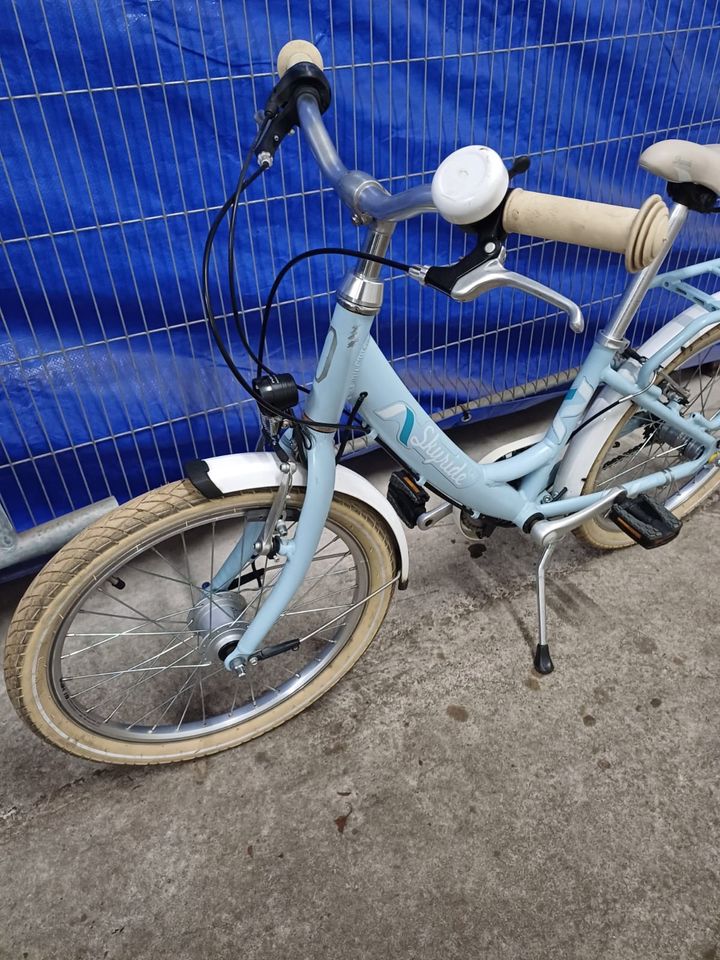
{"x":119,"y":673}
{"x":663,"y":453}
{"x":234,"y":700}
{"x":185,"y":709}
{"x":131,"y":631}
{"x":135,"y":686}
{"x":117,"y":616}
{"x":296,"y":613}
{"x":169,"y":702}
{"x":187,"y":566}
{"x":329,"y":572}
{"x":162,"y":576}
{"x":171,"y":565}
{"x":156,"y":656}
{"x":145,"y":633}
{"x":129,"y":690}
{"x":252,"y":690}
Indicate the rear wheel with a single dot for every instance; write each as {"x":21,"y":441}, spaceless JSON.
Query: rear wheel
{"x":115,"y":652}
{"x":640,"y":444}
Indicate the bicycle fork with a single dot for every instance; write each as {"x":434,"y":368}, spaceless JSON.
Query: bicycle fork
{"x":298,"y":551}
{"x":345,"y":341}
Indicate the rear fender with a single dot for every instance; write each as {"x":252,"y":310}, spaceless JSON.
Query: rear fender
{"x":585,"y":447}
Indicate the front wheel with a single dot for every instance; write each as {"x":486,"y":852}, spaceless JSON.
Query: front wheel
{"x":640,"y":444}
{"x":115,"y":652}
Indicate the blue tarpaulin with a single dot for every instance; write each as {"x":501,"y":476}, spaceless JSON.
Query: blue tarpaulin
{"x":123,"y":127}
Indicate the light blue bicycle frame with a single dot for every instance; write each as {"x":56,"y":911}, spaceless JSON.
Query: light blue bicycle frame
{"x":402,"y":425}
{"x":514,"y":489}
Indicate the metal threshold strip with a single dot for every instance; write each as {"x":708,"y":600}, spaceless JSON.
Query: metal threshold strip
{"x":46,"y":538}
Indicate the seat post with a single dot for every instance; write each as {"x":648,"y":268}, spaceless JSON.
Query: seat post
{"x":614,"y":334}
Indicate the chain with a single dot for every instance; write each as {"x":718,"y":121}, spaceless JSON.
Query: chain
{"x":621,"y":456}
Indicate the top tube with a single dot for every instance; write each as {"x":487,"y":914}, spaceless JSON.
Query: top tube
{"x":358,"y":190}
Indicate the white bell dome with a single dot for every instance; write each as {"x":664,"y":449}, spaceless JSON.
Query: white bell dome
{"x":469,"y":184}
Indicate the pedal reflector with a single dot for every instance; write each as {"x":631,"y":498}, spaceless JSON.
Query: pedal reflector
{"x":407,"y":497}
{"x":645,"y":521}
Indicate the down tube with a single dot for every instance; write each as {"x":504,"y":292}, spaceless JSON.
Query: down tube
{"x":417,"y":441}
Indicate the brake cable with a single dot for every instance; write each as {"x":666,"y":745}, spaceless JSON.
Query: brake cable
{"x":231,"y":204}
{"x":316,"y":252}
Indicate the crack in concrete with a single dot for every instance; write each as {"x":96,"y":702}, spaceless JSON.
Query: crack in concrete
{"x":16,"y":816}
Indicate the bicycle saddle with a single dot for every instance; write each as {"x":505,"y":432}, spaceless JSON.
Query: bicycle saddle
{"x":681,"y":161}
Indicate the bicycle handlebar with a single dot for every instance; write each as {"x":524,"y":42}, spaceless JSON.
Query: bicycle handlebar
{"x":361,"y":193}
{"x":364,"y":195}
{"x":638,"y":234}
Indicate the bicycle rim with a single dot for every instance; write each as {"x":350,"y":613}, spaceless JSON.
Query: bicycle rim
{"x":132,"y":663}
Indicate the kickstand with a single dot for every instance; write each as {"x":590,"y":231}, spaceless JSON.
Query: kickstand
{"x":542,"y":661}
{"x":548,"y":534}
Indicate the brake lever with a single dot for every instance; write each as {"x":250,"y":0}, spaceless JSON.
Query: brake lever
{"x":492,"y":274}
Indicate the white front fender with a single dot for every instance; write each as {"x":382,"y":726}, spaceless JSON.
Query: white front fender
{"x":584,"y":449}
{"x":217,"y":476}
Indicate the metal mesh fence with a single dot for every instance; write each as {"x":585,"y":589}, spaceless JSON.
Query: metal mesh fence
{"x":123,"y":130}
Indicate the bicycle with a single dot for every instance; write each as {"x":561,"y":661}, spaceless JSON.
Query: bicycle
{"x":209,"y":611}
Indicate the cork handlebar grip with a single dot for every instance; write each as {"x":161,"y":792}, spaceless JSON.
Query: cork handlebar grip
{"x":639,"y":234}
{"x":298,"y":51}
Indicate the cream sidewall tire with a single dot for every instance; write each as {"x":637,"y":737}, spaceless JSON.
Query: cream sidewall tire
{"x":594,"y":532}
{"x":78,"y":566}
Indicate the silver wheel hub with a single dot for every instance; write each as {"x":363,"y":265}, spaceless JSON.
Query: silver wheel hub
{"x":218,"y":622}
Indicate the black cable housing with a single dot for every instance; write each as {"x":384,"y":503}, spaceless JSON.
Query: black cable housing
{"x":316,"y":252}
{"x":231,"y":204}
{"x":600,"y":413}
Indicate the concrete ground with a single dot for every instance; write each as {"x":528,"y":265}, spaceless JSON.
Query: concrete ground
{"x":442,"y":801}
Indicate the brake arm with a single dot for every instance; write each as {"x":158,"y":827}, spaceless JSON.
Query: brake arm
{"x":264,"y":543}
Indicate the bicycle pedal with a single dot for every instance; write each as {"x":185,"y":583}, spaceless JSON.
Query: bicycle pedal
{"x":407,"y":497}
{"x":645,"y":521}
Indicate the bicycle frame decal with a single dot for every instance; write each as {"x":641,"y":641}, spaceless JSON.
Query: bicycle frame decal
{"x":428,"y":445}
{"x":408,"y":418}
{"x":404,"y":427}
